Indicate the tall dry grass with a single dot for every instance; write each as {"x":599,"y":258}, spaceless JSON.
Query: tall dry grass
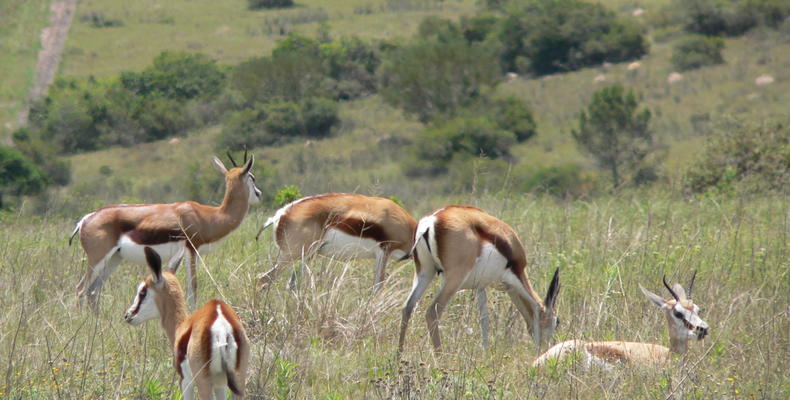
{"x":330,"y":338}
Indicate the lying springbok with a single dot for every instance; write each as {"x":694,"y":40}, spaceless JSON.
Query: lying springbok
{"x":683,"y":322}
{"x":341,"y":224}
{"x":210,"y":347}
{"x":474,"y":250}
{"x":120,"y":231}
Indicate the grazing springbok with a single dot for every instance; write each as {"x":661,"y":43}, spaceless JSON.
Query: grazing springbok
{"x":210,"y":348}
{"x":341,"y":224}
{"x":120,"y":231}
{"x":473,"y":250}
{"x":683,"y":322}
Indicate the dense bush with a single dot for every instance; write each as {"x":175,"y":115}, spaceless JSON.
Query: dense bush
{"x":278,"y":122}
{"x":259,"y":4}
{"x":176,"y":75}
{"x":615,"y":132}
{"x":731,"y":17}
{"x":752,"y":157}
{"x":696,"y":52}
{"x":302,"y":67}
{"x":18,"y":175}
{"x":430,"y":77}
{"x":436,"y":147}
{"x":511,"y":114}
{"x":542,"y":37}
{"x":561,"y":181}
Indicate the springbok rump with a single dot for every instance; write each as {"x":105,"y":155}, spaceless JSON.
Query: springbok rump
{"x":473,"y":250}
{"x":683,"y":322}
{"x":341,"y":224}
{"x":210,"y":347}
{"x":120,"y":232}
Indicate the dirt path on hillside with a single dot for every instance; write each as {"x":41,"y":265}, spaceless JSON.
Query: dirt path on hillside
{"x":53,"y":39}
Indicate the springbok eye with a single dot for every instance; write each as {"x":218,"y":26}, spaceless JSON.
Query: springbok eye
{"x":678,"y":315}
{"x":143,"y":291}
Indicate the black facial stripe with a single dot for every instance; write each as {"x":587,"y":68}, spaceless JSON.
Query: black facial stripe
{"x":143,"y":293}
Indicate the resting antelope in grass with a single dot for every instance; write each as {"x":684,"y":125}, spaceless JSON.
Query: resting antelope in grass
{"x":210,"y":348}
{"x":120,"y":231}
{"x":341,"y":224}
{"x":683,"y":322}
{"x":473,"y":250}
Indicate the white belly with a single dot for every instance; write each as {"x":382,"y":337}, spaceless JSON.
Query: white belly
{"x":134,"y":252}
{"x":490,"y":268}
{"x":338,"y":243}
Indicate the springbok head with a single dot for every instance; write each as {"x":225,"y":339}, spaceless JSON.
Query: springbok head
{"x":152,"y":292}
{"x":681,"y":312}
{"x":240,"y":176}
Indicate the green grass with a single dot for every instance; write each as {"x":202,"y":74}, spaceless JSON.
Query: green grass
{"x":332,"y":337}
{"x":21,"y":22}
{"x":226,"y":31}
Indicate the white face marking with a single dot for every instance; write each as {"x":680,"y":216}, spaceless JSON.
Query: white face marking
{"x":143,"y":307}
{"x":255,"y":193}
{"x":339,"y":243}
{"x":686,"y":322}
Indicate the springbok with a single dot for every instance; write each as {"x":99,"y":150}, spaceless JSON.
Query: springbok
{"x":210,"y":347}
{"x":683,"y":322}
{"x":474,"y":250}
{"x":120,"y":231}
{"x":341,"y":224}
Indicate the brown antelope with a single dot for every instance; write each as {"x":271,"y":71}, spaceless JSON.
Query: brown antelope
{"x":341,"y":224}
{"x":210,"y":348}
{"x":683,"y":322}
{"x":120,"y":231}
{"x":473,"y":250}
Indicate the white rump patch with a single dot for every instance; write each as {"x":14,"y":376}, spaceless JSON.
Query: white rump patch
{"x":223,"y":344}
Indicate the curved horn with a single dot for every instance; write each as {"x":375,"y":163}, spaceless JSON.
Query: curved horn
{"x":664,"y":278}
{"x":232,"y":161}
{"x":245,"y":154}
{"x":691,"y":284}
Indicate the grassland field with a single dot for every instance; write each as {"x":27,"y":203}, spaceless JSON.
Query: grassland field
{"x":331,"y":338}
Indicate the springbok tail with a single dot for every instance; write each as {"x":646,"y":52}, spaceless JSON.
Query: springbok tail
{"x":78,"y":228}
{"x":269,"y":222}
{"x":229,"y":372}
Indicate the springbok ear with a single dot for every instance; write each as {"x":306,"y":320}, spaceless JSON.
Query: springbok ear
{"x":554,"y":290}
{"x":248,"y":166}
{"x":219,"y":166}
{"x":653,"y":297}
{"x":678,"y":288}
{"x":155,"y":263}
{"x":175,"y":262}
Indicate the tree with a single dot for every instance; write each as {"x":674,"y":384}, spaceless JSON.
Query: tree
{"x":18,"y":175}
{"x":433,"y":77}
{"x":614,"y":132}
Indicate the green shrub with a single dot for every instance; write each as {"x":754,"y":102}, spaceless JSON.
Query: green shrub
{"x":561,"y":181}
{"x":430,"y":77}
{"x":259,"y":4}
{"x":286,"y":195}
{"x":753,"y":157}
{"x":177,"y":75}
{"x":289,"y":76}
{"x":18,"y":175}
{"x":512,"y":114}
{"x":696,"y":52}
{"x":543,"y":37}
{"x":435,"y":147}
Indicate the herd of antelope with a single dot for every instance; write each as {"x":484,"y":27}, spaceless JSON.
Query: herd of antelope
{"x":469,"y":248}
